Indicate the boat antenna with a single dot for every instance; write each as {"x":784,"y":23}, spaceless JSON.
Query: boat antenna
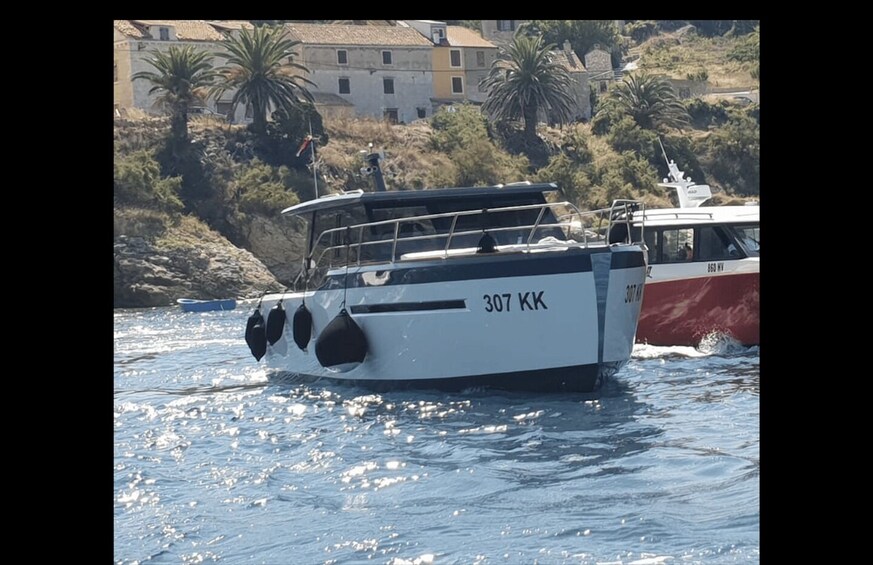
{"x":314,"y":162}
{"x":675,"y":173}
{"x":690,"y":195}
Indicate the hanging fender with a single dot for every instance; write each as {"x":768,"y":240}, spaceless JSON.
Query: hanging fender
{"x":342,"y":344}
{"x":256,"y":337}
{"x":302,"y":326}
{"x":275,"y":323}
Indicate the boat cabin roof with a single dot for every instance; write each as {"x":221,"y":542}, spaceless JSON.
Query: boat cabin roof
{"x":412,"y":197}
{"x":701,"y":215}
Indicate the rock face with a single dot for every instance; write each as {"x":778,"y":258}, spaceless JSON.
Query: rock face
{"x":186,"y":261}
{"x":279,"y":243}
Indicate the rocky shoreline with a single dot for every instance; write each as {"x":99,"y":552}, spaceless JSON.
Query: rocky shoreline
{"x":155,"y":270}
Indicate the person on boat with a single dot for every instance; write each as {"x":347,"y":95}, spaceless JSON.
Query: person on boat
{"x":689,"y":252}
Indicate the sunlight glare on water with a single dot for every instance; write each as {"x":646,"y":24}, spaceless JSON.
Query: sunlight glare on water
{"x":216,"y":461}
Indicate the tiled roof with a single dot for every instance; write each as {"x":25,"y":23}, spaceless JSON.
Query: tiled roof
{"x":330,"y":99}
{"x":186,"y":30}
{"x":230,"y":24}
{"x":389,"y":36}
{"x":128,"y":29}
{"x":459,"y":36}
{"x":569,"y":60}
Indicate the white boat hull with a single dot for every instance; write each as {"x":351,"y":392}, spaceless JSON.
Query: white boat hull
{"x":563,"y":319}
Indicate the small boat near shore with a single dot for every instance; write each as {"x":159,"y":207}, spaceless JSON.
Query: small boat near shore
{"x":194,"y":305}
{"x":500,"y":287}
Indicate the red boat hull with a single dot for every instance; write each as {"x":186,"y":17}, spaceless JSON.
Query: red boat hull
{"x":683,"y":311}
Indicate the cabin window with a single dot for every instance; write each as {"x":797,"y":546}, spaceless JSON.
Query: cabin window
{"x":715,"y":245}
{"x":507,"y":228}
{"x":675,"y":245}
{"x":381,"y":238}
{"x":653,"y":243}
{"x":330,"y":249}
{"x":749,"y":236}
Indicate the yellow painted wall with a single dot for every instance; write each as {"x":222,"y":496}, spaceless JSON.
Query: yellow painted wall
{"x":443,"y":73}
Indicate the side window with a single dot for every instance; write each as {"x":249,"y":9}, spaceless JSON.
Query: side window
{"x":749,"y":236}
{"x":651,"y":239}
{"x":677,"y":245}
{"x":715,"y":245}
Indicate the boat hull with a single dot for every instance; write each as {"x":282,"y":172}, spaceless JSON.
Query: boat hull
{"x":562,"y":320}
{"x":683,"y":311}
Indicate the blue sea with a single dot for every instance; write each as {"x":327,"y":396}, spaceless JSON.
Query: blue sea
{"x":214,"y":462}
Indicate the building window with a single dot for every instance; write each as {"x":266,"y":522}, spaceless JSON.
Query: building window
{"x":457,"y":85}
{"x":505,"y":25}
{"x":391,"y":115}
{"x":422,"y":112}
{"x":480,"y":58}
{"x":165,"y":33}
{"x":386,"y":58}
{"x":225,"y":109}
{"x":388,"y":85}
{"x":342,"y":57}
{"x":455,"y":57}
{"x":115,"y":71}
{"x":344,"y":86}
{"x":603,"y":86}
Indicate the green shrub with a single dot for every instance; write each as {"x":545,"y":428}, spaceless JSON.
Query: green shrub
{"x":570,"y":177}
{"x":704,"y":115}
{"x":260,"y":189}
{"x":137,"y":180}
{"x":641,"y":30}
{"x":733,"y":154}
{"x":479,"y":163}
{"x":455,"y":127}
{"x":626,"y":135}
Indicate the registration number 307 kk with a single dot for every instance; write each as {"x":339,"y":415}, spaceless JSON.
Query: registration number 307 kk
{"x":525,"y":301}
{"x":633,"y":293}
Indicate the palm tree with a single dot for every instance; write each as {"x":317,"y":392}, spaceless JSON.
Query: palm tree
{"x":182,"y":76}
{"x":523,"y":79}
{"x":261,"y":70}
{"x":650,"y":101}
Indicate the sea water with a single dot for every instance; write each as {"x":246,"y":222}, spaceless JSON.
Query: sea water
{"x":215,"y":462}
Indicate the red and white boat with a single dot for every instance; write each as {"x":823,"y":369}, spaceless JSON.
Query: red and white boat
{"x":703,"y":269}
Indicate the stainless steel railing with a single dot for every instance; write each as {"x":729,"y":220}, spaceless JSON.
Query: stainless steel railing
{"x":593,"y":226}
